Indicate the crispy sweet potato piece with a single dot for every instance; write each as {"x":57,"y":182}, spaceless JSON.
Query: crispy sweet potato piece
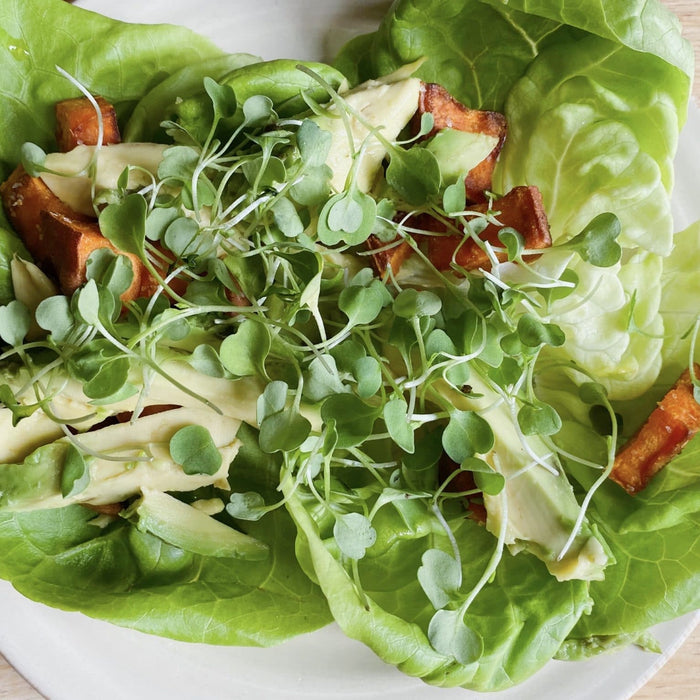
{"x":383,"y":257}
{"x":668,"y":429}
{"x":24,"y":198}
{"x":521,"y":209}
{"x":71,"y":241}
{"x":77,"y":123}
{"x":449,"y":113}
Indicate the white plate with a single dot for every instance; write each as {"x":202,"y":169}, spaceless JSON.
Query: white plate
{"x":68,"y":656}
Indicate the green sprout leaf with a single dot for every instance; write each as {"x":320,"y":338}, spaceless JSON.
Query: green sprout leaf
{"x":182,"y":237}
{"x":222,"y":97}
{"x":395,"y":414}
{"x":124,"y":224}
{"x":454,"y":198}
{"x":440,"y":577}
{"x":362,"y":304}
{"x":272,"y":400}
{"x":368,"y":373}
{"x":352,"y":417}
{"x":322,"y":379}
{"x":283,"y":431}
{"x":15,"y":322}
{"x":486,"y":478}
{"x":314,"y":143}
{"x":88,"y":303}
{"x":193,"y":448}
{"x":347,"y":217}
{"x":450,"y":636}
{"x":32,"y":158}
{"x":597,"y":243}
{"x":539,"y":419}
{"x":287,"y":218}
{"x":244,"y":353}
{"x":258,"y":110}
{"x":109,"y":380}
{"x":19,"y":410}
{"x":534,"y":332}
{"x":246,"y":506}
{"x":54,"y":315}
{"x":466,"y":434}
{"x":110,"y":270}
{"x":410,"y":303}
{"x":513,"y":242}
{"x":354,"y":534}
{"x":414,"y":174}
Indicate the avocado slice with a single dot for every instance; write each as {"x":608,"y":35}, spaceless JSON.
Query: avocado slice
{"x":386,"y":105}
{"x":191,"y":529}
{"x":121,"y":461}
{"x":537,"y":505}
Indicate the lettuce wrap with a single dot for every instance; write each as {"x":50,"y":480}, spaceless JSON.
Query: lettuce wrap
{"x":346,"y":492}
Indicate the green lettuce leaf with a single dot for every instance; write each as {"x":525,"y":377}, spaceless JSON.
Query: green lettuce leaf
{"x":131,"y":578}
{"x":518,"y":627}
{"x":478,"y":49}
{"x":119,"y":61}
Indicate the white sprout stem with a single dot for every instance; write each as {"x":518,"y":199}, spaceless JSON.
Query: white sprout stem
{"x":451,"y":537}
{"x":493,"y":561}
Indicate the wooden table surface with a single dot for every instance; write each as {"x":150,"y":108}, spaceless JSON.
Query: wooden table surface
{"x":680,"y":677}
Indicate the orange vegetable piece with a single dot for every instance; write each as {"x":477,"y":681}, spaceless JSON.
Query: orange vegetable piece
{"x":77,"y":123}
{"x":383,"y":258}
{"x":71,"y":242}
{"x":449,"y":113}
{"x":24,"y":197}
{"x":521,"y":209}
{"x":668,"y":429}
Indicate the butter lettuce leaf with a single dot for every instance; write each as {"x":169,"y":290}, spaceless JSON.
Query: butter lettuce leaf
{"x":119,"y":61}
{"x":62,"y":558}
{"x":478,"y":49}
{"x":521,"y":617}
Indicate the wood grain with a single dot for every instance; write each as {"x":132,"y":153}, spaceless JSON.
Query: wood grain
{"x":680,"y":677}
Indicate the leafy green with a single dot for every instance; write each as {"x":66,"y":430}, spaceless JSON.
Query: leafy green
{"x":117,"y":573}
{"x":111,"y":58}
{"x":386,"y":609}
{"x":363,"y":390}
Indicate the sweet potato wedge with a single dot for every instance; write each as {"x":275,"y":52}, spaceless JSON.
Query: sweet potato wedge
{"x":668,"y":429}
{"x":449,"y":113}
{"x":77,"y":123}
{"x":384,"y":258}
{"x":71,"y":241}
{"x":521,"y":209}
{"x":24,"y":198}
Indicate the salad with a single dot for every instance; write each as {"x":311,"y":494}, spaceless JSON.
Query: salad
{"x":308,"y":417}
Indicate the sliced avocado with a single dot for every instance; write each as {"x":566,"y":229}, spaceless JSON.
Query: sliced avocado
{"x":538,"y":504}
{"x":189,"y":528}
{"x":121,"y":461}
{"x":74,"y":186}
{"x":458,"y":152}
{"x":386,"y":105}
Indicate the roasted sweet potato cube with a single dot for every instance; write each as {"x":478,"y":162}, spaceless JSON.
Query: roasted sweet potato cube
{"x":449,"y":113}
{"x":668,"y":429}
{"x":384,"y":257}
{"x":24,"y":198}
{"x":77,"y":123}
{"x":70,"y":242}
{"x":521,"y":209}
